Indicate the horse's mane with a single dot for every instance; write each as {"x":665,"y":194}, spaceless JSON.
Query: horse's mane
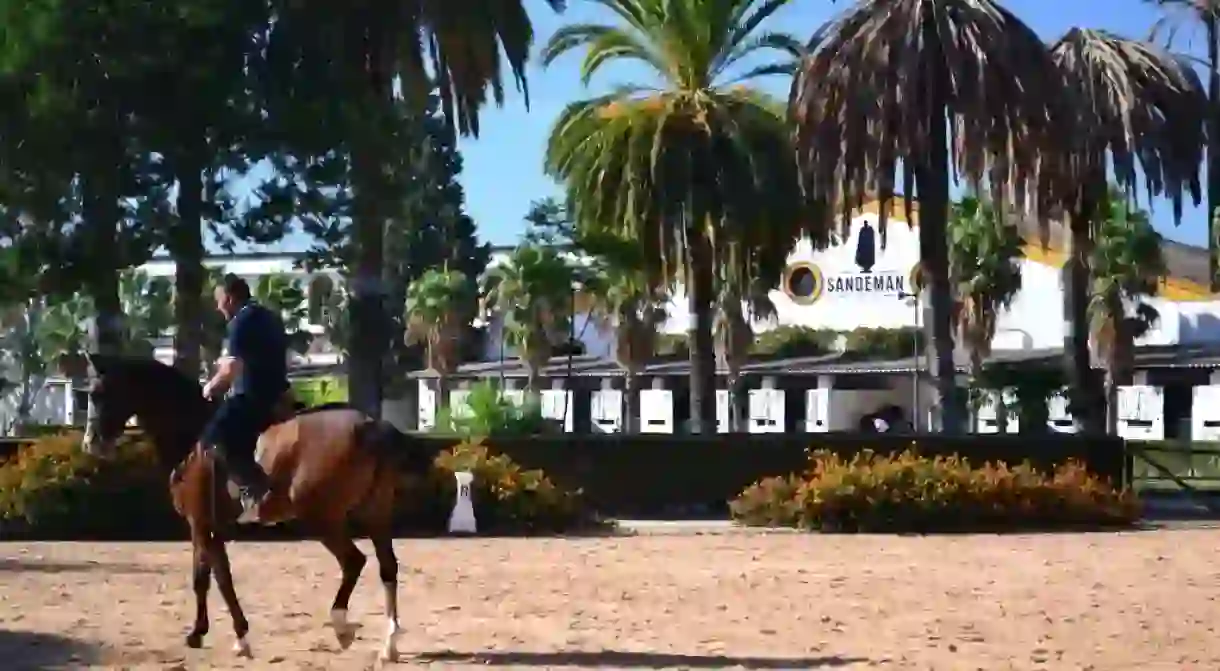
{"x":164,"y":376}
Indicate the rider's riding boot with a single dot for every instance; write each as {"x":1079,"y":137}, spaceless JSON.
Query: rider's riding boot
{"x":251,"y":481}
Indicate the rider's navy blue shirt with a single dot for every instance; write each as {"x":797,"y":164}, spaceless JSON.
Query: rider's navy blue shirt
{"x":257,"y":338}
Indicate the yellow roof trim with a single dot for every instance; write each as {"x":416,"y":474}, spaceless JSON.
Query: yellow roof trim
{"x":1172,"y":288}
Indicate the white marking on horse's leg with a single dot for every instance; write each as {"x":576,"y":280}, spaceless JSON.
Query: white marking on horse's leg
{"x":389,"y":651}
{"x":242,"y":648}
{"x":338,"y":618}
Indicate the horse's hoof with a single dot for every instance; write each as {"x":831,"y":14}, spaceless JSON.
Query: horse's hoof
{"x":345,"y":638}
{"x":241,"y":648}
{"x":345,"y":632}
{"x":194,"y":640}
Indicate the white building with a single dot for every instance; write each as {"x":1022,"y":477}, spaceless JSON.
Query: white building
{"x":856,"y":283}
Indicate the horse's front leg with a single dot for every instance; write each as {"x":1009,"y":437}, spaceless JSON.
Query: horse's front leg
{"x":201,"y":581}
{"x":224,"y":582}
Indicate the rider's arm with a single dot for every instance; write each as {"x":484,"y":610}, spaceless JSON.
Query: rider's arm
{"x":227,"y":370}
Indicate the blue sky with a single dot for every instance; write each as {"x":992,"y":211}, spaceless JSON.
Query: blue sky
{"x":503,"y":167}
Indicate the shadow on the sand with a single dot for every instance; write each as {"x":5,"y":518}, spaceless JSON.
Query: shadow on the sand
{"x":634,"y":660}
{"x":35,"y":565}
{"x":37,"y":651}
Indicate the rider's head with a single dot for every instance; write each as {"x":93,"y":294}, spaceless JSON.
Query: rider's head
{"x":231,"y":294}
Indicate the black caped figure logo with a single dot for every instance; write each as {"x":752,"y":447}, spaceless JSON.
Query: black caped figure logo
{"x":866,"y":248}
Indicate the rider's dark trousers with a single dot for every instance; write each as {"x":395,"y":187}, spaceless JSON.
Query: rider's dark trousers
{"x":234,"y":432}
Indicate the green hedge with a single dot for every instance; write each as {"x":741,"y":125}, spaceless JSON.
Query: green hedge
{"x":650,"y":475}
{"x":53,"y":490}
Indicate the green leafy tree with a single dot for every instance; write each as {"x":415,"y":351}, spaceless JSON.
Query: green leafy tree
{"x":439,"y":308}
{"x":197,"y":109}
{"x":63,"y":336}
{"x":20,"y":356}
{"x":353,"y":86}
{"x":427,"y":227}
{"x":532,"y":293}
{"x":685,"y":165}
{"x":284,"y":295}
{"x":77,"y":165}
{"x":985,"y":256}
{"x":1127,"y":266}
{"x":1133,"y":105}
{"x":927,"y":67}
{"x":149,"y":308}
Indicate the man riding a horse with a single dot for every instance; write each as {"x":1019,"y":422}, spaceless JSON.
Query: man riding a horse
{"x":256,"y":370}
{"x":328,"y":467}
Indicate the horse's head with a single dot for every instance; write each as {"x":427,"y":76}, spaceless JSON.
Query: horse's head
{"x":112,"y":396}
{"x":164,"y":400}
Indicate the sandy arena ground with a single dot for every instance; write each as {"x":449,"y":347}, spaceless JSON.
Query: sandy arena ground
{"x":750,"y":600}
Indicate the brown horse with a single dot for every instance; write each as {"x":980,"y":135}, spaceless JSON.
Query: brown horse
{"x":327,"y":466}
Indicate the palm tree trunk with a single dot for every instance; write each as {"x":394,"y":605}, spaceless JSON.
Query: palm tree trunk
{"x":934,"y":254}
{"x":976,"y":396}
{"x":186,"y":248}
{"x":441,"y":388}
{"x":533,"y":385}
{"x":1212,"y":29}
{"x":631,"y":402}
{"x":739,"y":403}
{"x":1076,"y":275}
{"x":701,"y":303}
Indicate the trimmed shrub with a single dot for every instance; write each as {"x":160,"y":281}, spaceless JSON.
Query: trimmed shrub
{"x":508,"y":499}
{"x":911,"y":493}
{"x":52,"y":489}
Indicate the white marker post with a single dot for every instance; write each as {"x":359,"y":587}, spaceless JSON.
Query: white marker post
{"x":461,"y":520}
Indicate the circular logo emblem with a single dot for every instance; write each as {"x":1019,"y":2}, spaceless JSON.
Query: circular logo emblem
{"x":915,"y":279}
{"x":803,"y":283}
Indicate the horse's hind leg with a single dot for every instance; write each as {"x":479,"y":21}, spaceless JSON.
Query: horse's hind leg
{"x":219,"y":556}
{"x":351,"y":562}
{"x":387,"y":564}
{"x":201,"y":581}
{"x":377,"y":517}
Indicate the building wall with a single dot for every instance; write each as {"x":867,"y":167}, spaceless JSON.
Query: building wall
{"x":855,"y":283}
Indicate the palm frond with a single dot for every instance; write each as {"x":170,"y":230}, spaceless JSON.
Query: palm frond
{"x":880,"y":74}
{"x":1135,"y":106}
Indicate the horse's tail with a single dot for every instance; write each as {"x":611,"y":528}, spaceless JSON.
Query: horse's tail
{"x":394,"y":447}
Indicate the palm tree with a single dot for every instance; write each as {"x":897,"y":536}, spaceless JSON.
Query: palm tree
{"x":688,"y":163}
{"x":985,"y":267}
{"x":736,"y":312}
{"x":635,"y":312}
{"x":439,"y":307}
{"x":532,"y":291}
{"x":926,"y":88}
{"x":1132,"y":104}
{"x":464,"y":49}
{"x":985,"y":264}
{"x":1128,"y":266}
{"x":1207,"y":14}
